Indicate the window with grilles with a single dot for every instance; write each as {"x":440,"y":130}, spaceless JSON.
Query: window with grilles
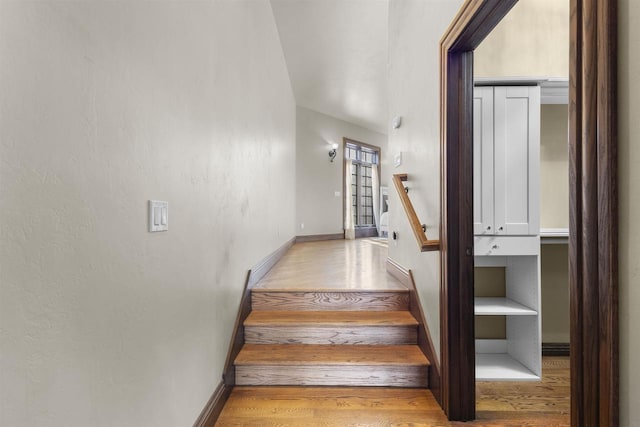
{"x":363,"y":160}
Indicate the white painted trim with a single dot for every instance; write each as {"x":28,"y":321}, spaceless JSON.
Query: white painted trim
{"x":553,"y":90}
{"x":258,"y":271}
{"x":554,"y":232}
{"x":510,"y":81}
{"x":554,"y":236}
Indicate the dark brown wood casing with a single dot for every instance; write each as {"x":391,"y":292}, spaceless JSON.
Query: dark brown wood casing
{"x":593,"y":208}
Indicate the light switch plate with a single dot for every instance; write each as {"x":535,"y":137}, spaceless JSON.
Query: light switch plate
{"x":158,"y":215}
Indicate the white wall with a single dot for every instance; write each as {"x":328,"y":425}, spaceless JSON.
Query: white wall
{"x":415,"y":28}
{"x":554,"y":213}
{"x":317,"y":206}
{"x":104,"y":105}
{"x":629,"y":205}
{"x":554,"y":166}
{"x":554,"y":291}
{"x":532,"y":40}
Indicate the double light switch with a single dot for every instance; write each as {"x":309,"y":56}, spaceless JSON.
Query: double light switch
{"x":158,"y":215}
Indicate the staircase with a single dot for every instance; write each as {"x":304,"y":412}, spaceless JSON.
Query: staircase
{"x":338,"y":338}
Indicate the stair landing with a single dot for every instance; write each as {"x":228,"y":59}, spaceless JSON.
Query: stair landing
{"x":333,"y":265}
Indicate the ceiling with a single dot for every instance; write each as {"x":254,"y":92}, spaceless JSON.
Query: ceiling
{"x":336,"y":53}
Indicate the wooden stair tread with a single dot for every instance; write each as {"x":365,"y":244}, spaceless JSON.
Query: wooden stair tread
{"x":330,"y":318}
{"x":310,"y":354}
{"x":316,"y":289}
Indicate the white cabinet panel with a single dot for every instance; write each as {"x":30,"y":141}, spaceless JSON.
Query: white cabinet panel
{"x":483,"y":161}
{"x":506,"y":160}
{"x":516,"y":160}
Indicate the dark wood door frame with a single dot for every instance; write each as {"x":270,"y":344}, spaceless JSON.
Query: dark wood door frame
{"x":593,"y":208}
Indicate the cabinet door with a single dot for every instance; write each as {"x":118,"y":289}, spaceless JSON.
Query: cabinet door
{"x":483,"y":161}
{"x":517,"y":160}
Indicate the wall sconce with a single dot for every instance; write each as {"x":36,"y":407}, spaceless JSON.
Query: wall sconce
{"x":333,"y":152}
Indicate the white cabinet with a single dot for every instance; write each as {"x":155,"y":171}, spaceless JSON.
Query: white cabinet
{"x":506,"y":226}
{"x":506,"y":160}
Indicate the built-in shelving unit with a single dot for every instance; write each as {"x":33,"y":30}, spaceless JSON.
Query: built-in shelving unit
{"x":520,"y":353}
{"x":506,"y":224}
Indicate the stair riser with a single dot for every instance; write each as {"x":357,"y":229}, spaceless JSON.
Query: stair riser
{"x":335,"y":301}
{"x":379,"y":335}
{"x":365,"y":376}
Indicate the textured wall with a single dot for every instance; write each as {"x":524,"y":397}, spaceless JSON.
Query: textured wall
{"x":490,"y":282}
{"x":554,"y":213}
{"x":104,"y":105}
{"x":554,"y":278}
{"x":317,"y":178}
{"x":532,"y":40}
{"x":415,"y":29}
{"x":629,"y":205}
{"x":554,"y":166}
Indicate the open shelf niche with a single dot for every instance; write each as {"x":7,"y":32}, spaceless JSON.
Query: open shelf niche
{"x":518,"y":356}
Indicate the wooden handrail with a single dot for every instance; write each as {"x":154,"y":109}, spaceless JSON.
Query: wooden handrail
{"x":421,"y":236}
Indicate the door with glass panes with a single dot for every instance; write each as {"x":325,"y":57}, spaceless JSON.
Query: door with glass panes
{"x":362,"y":163}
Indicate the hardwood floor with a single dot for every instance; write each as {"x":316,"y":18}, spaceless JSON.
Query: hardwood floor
{"x":333,"y":265}
{"x":329,"y":314}
{"x":364,"y":276}
{"x":316,"y":406}
{"x":544,"y":403}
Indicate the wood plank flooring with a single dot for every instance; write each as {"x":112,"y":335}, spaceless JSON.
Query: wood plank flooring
{"x":359,"y":266}
{"x":309,"y":354}
{"x":333,"y":264}
{"x":544,"y":403}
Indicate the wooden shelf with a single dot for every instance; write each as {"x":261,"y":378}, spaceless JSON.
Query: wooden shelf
{"x":500,"y":306}
{"x":501,"y":367}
